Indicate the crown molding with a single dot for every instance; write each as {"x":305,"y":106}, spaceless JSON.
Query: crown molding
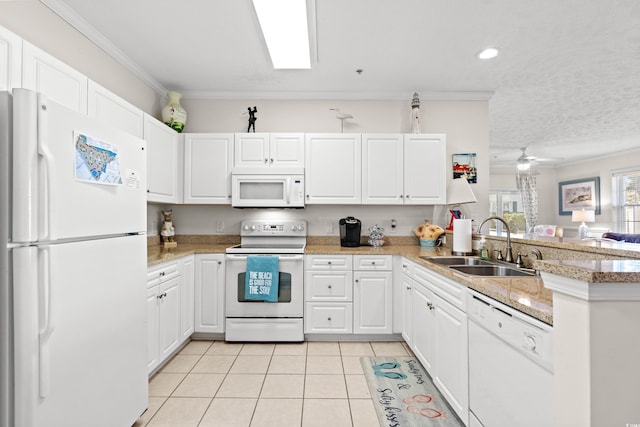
{"x":87,"y":30}
{"x":346,"y":95}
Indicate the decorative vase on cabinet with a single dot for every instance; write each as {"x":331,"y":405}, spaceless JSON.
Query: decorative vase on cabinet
{"x":173,"y":115}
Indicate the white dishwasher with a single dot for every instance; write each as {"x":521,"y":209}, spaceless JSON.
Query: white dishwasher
{"x":510,"y":366}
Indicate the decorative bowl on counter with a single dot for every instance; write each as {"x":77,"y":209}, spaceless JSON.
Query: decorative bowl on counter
{"x":428,"y":242}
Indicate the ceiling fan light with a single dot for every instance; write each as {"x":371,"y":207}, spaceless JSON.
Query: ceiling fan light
{"x":524,"y":165}
{"x":488,"y":53}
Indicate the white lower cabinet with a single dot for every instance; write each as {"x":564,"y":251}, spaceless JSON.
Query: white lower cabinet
{"x":209,"y":293}
{"x":436,"y":330}
{"x":187,"y":296}
{"x":372,"y":294}
{"x":169,"y":308}
{"x":347,"y":294}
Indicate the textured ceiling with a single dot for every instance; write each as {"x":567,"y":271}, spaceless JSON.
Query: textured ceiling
{"x":566,"y":85}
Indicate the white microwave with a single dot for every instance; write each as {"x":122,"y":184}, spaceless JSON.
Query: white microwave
{"x":267,"y":188}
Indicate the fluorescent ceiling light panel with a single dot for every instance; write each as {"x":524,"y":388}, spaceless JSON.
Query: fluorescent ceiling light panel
{"x":286,"y":32}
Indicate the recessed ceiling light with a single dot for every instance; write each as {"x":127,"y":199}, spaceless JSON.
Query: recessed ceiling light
{"x":286,"y":32}
{"x":488,"y":53}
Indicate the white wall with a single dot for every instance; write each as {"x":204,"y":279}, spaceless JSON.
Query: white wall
{"x":601,"y":167}
{"x":37,"y":24}
{"x":548,"y":179}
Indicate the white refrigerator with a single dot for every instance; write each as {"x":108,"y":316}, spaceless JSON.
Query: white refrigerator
{"x":73,"y":268}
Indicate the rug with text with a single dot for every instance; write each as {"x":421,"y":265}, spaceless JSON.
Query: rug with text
{"x":404,"y":395}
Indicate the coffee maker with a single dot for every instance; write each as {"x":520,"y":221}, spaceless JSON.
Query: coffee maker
{"x":350,"y":232}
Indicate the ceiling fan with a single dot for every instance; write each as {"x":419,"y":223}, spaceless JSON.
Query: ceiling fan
{"x":525,"y":161}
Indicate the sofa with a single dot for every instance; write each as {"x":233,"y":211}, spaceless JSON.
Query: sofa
{"x":622,"y":237}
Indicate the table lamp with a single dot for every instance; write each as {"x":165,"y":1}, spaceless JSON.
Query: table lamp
{"x":458,"y":192}
{"x":583,"y":216}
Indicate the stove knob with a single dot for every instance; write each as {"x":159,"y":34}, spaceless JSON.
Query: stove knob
{"x":253,"y":228}
{"x":245,"y":227}
{"x":301,"y":227}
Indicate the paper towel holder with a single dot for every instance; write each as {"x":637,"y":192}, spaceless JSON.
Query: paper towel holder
{"x":458,"y":192}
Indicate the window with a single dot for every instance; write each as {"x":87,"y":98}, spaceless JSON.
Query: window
{"x":508,"y":205}
{"x":626,"y":201}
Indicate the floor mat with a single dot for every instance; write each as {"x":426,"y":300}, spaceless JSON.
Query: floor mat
{"x":404,"y":395}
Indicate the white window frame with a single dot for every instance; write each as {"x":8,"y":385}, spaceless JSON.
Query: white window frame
{"x":623,"y":211}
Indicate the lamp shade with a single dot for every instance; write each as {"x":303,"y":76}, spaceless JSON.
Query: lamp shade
{"x":583,"y":216}
{"x":459,"y":192}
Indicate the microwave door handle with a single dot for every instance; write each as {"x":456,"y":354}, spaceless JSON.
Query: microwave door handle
{"x":287,"y":190}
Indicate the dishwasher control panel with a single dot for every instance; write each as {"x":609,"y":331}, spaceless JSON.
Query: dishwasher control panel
{"x":521,"y":331}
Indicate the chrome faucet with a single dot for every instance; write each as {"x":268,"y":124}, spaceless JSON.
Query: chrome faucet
{"x":536,"y":252}
{"x":508,"y":253}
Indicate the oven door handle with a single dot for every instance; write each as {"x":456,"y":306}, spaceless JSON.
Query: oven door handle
{"x":283,"y":257}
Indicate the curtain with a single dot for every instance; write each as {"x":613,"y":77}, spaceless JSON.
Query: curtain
{"x":529,"y":192}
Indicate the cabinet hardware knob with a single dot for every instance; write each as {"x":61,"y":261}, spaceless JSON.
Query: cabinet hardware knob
{"x":271,"y":160}
{"x":266,"y":160}
{"x":329,"y":286}
{"x":430,"y":305}
{"x":329,"y":262}
{"x":159,"y":296}
{"x":219,"y":262}
{"x":329,"y":319}
{"x":164,"y":294}
{"x":373,"y":263}
{"x":407,"y":286}
{"x":401,"y":196}
{"x":162,"y":273}
{"x":356,"y":280}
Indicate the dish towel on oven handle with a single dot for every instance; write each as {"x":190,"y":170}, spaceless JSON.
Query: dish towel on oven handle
{"x":261,"y":281}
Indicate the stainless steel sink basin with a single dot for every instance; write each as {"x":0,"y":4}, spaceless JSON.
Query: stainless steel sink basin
{"x":455,"y":260}
{"x":490,"y":270}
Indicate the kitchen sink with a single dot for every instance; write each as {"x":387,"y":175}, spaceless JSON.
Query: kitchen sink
{"x":490,"y":270}
{"x":455,"y":260}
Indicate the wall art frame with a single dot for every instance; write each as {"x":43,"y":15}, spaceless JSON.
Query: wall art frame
{"x":579,"y":194}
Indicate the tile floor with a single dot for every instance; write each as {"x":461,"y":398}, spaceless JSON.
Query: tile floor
{"x":219,"y":384}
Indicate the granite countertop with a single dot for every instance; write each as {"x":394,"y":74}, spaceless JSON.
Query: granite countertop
{"x":525,"y":294}
{"x":156,"y":254}
{"x":594,"y":271}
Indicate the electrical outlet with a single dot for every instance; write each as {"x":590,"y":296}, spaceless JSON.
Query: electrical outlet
{"x":394,"y":226}
{"x":219,"y":226}
{"x":328,"y":227}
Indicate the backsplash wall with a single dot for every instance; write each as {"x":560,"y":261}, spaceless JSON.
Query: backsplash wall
{"x":322,"y":219}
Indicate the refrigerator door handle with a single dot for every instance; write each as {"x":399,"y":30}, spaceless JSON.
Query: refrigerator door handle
{"x":46,"y":231}
{"x":45,"y":314}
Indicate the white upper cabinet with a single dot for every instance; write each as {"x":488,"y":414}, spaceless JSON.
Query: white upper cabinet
{"x":333,"y":169}
{"x":258,"y":150}
{"x":164,"y":162}
{"x":207,"y":167}
{"x":62,"y":84}
{"x":403,"y":169}
{"x":425,"y":169}
{"x":10,"y":60}
{"x":382,"y":169}
{"x":110,"y":108}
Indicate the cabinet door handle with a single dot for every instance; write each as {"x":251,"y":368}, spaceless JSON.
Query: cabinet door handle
{"x":162,"y":273}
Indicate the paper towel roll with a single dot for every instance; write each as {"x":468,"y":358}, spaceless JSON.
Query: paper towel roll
{"x":461,"y":235}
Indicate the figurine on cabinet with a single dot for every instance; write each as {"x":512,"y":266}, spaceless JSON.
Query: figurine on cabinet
{"x":168,"y":232}
{"x":252,"y":119}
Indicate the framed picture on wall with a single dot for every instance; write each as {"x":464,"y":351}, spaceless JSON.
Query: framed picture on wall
{"x":464,"y":165}
{"x":579,"y":194}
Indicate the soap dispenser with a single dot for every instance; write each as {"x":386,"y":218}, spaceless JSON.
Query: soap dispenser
{"x":483,"y":252}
